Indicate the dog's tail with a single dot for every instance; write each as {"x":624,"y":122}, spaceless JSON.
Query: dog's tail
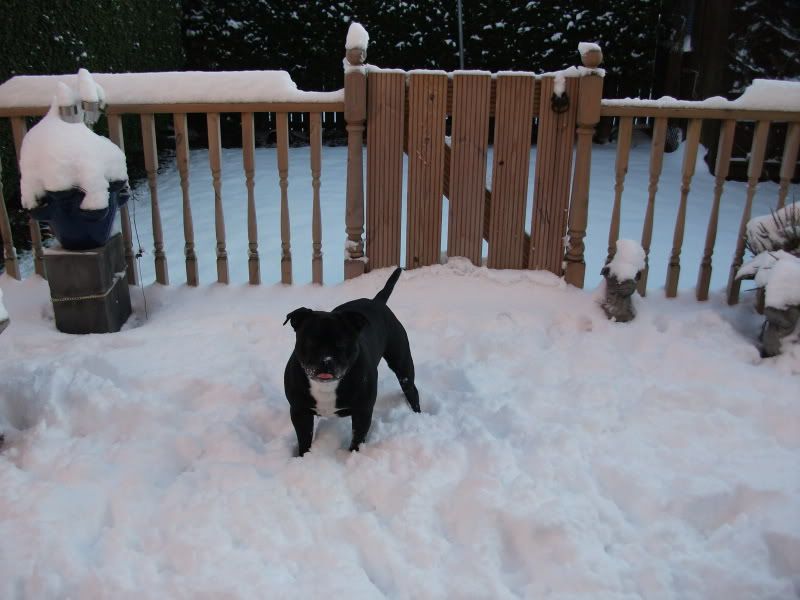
{"x":383,"y":295}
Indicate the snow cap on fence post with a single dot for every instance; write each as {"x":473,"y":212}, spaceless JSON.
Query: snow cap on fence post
{"x":356,"y":45}
{"x":355,"y":115}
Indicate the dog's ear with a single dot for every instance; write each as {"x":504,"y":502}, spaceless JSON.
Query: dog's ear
{"x":356,"y":320}
{"x":298,"y":316}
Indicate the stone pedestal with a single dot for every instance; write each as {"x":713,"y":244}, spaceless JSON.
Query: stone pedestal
{"x":89,"y":288}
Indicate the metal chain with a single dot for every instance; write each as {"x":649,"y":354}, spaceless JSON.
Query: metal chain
{"x":90,"y":297}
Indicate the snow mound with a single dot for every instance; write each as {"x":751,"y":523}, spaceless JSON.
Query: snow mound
{"x":357,"y":37}
{"x":57,"y":155}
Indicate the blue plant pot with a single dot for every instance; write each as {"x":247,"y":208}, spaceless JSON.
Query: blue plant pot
{"x":74,"y":227}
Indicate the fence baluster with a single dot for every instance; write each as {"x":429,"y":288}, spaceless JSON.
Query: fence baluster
{"x":315,"y":139}
{"x":151,"y":167}
{"x":757,"y":152}
{"x":283,"y":174}
{"x":9,"y":253}
{"x":687,"y":172}
{"x":724,"y":149}
{"x":116,"y":136}
{"x":182,"y":159}
{"x":215,"y":162}
{"x":19,"y":128}
{"x":248,"y":157}
{"x":624,"y":136}
{"x":789,"y":161}
{"x":656,"y":163}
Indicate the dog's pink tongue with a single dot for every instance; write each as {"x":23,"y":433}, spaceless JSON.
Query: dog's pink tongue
{"x":324,"y":376}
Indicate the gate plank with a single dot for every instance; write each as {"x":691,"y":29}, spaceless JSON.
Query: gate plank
{"x":512,"y":149}
{"x":427,"y":94}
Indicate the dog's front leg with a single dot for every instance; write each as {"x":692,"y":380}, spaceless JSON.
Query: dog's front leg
{"x":303,"y":421}
{"x":361,"y":422}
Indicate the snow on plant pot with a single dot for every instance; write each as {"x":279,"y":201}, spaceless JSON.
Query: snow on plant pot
{"x":621,"y":276}
{"x":72,"y":178}
{"x":778,"y":274}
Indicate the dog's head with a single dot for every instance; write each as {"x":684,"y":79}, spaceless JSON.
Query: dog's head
{"x":327,"y":342}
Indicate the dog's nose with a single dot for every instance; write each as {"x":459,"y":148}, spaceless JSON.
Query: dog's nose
{"x":328,"y":364}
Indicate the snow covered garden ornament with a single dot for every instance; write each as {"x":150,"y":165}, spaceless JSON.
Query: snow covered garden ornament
{"x":72,"y":178}
{"x":621,"y":277}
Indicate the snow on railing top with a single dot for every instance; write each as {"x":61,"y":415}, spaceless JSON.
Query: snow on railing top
{"x":762,"y":94}
{"x":186,"y":87}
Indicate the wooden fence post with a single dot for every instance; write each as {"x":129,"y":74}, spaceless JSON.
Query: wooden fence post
{"x":355,"y":114}
{"x":589,"y":96}
{"x":10,"y":254}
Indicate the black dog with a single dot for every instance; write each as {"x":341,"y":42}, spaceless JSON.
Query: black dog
{"x":334,"y":366}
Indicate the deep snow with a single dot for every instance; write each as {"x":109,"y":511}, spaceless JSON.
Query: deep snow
{"x":558,"y":455}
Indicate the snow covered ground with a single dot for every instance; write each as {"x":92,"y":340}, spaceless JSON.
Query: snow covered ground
{"x":558,"y":455}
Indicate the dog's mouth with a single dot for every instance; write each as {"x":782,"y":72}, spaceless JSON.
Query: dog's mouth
{"x":325,"y":376}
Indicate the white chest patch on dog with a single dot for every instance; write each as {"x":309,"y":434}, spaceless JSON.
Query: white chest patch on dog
{"x":324,"y":394}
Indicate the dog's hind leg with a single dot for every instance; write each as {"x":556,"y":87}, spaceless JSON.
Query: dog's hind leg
{"x":399,"y":360}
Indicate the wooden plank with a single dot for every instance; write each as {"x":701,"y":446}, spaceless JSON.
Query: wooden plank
{"x":9,"y":253}
{"x":283,"y":174}
{"x":780,"y":116}
{"x":788,"y":162}
{"x":724,"y":150}
{"x":249,"y":162}
{"x":116,"y":135}
{"x":624,"y":136}
{"x":151,"y":167}
{"x":551,"y":190}
{"x":315,"y":138}
{"x":18,"y":129}
{"x":467,"y":165}
{"x":385,"y":119}
{"x":215,"y":162}
{"x":687,"y":172}
{"x":512,"y":146}
{"x":182,"y":159}
{"x":427,"y":96}
{"x":656,"y":163}
{"x":757,"y":152}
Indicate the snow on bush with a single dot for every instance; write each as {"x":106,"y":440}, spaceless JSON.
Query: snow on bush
{"x":59,"y":156}
{"x":779,"y":230}
{"x":628,"y":260}
{"x":779,"y":274}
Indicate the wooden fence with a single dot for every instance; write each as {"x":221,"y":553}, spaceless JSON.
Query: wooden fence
{"x":445,"y":124}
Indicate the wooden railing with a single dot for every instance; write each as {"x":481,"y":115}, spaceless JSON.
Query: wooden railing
{"x":411,"y":113}
{"x":695,"y":113}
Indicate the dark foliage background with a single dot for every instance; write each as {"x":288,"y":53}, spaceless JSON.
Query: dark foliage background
{"x":733,"y":43}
